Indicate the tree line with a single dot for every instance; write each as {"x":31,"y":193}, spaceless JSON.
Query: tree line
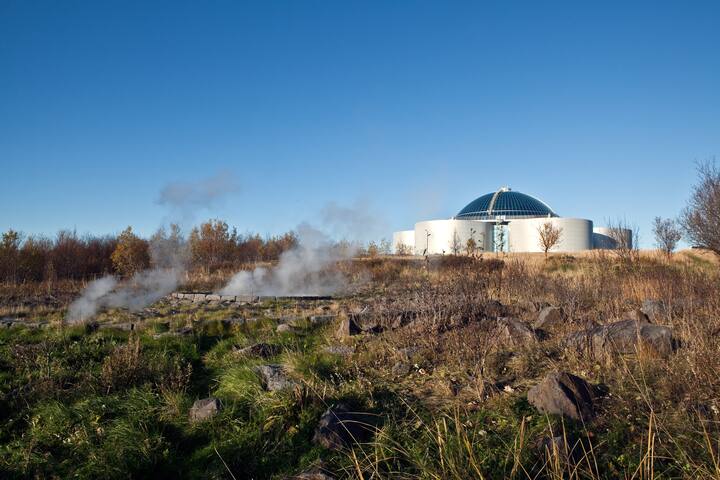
{"x":211,"y":246}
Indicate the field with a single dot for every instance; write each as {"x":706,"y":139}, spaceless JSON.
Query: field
{"x":421,"y":369}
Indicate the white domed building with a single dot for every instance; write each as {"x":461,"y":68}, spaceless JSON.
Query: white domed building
{"x":505,"y":220}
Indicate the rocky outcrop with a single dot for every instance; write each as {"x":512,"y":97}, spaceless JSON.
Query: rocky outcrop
{"x":562,"y":393}
{"x":339,"y":427}
{"x":623,"y":337}
{"x":274,"y":377}
{"x":204,"y":409}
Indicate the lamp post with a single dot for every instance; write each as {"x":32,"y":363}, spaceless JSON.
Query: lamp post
{"x":427,"y":242}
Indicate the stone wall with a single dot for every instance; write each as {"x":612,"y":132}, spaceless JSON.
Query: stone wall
{"x":212,"y":297}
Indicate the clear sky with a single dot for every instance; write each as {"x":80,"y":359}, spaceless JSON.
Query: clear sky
{"x":406,"y":110}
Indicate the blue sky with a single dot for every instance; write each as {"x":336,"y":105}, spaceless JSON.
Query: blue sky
{"x":406,"y":110}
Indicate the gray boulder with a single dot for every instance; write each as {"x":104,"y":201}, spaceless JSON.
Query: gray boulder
{"x":274,"y":377}
{"x":339,"y":428}
{"x":561,"y":393}
{"x":550,"y":318}
{"x":654,"y":309}
{"x":623,"y":337}
{"x":286,"y":328}
{"x":512,"y":331}
{"x":204,"y":409}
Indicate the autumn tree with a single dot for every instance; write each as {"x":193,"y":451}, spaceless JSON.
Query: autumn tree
{"x":212,"y":245}
{"x":9,"y":252}
{"x":701,"y":217}
{"x":549,"y":236}
{"x":131,"y":254}
{"x":470,"y":247}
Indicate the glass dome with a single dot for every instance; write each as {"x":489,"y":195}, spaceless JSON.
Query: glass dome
{"x":505,"y":204}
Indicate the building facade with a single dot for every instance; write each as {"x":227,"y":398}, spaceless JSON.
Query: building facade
{"x":505,"y":220}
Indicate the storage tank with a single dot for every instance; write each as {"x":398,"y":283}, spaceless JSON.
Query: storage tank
{"x":576,"y":236}
{"x":440,"y":236}
{"x":607,"y":238}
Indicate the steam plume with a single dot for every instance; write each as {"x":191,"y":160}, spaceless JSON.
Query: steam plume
{"x":309,"y":267}
{"x":306,"y":269}
{"x":204,"y":193}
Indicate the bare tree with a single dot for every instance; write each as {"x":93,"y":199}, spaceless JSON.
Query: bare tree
{"x":625,"y":240}
{"x":455,"y":243}
{"x":667,"y":234}
{"x":701,"y":217}
{"x":550,"y":236}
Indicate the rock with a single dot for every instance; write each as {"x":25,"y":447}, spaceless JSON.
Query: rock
{"x":204,"y":409}
{"x":274,"y":378}
{"x":654,"y":309}
{"x":321,"y":319}
{"x":213,"y":298}
{"x":339,"y":427}
{"x":550,"y":318}
{"x":514,"y":332}
{"x":562,"y":393}
{"x":232,"y":322}
{"x":347,"y":328}
{"x":626,"y":336}
{"x":286,"y":328}
{"x":339,"y":350}
{"x":365,"y":322}
{"x":262,"y":350}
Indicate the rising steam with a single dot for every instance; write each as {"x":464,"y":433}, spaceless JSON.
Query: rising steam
{"x":168,"y":252}
{"x":310,"y":268}
{"x":306,"y":269}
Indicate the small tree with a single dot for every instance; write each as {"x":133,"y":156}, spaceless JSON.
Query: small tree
{"x":455,"y":243}
{"x":9,"y":253}
{"x":625,"y":240}
{"x":131,"y":254}
{"x":549,"y":236}
{"x":403,"y":249}
{"x":372,"y":249}
{"x":470,"y":247}
{"x":385,"y":247}
{"x":499,"y":238}
{"x":701,"y":217}
{"x":667,"y":234}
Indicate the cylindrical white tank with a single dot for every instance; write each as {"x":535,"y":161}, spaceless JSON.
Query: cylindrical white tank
{"x":404,"y":241}
{"x":609,"y":238}
{"x":450,"y":236}
{"x":524,"y":234}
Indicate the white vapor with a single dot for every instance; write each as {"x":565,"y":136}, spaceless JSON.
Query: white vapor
{"x":89,"y":302}
{"x":203,"y":193}
{"x":168,"y":256}
{"x":306,"y":269}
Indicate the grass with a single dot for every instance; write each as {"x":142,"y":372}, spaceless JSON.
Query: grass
{"x":114,"y":404}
